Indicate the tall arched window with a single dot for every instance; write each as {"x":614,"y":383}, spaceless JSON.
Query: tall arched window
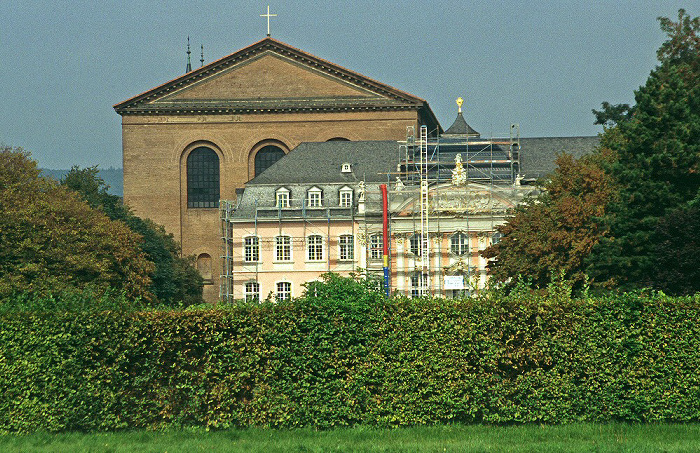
{"x":267,"y":156}
{"x":204,"y":267}
{"x":202,"y":178}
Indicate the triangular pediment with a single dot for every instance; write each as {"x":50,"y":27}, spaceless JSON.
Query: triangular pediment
{"x":269,"y":76}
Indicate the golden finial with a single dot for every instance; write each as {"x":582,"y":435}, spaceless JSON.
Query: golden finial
{"x":459,"y":102}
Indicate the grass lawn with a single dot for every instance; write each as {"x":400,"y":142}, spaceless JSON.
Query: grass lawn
{"x":567,"y":438}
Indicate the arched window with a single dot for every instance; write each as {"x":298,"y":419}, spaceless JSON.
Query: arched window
{"x":202,"y":178}
{"x":204,"y":267}
{"x":267,"y":156}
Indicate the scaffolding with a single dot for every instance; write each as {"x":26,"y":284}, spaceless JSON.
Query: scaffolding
{"x":426,"y":164}
{"x":425,"y":167}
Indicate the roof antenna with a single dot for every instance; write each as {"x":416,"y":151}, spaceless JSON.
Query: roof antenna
{"x":188,"y":68}
{"x":202,"y":59}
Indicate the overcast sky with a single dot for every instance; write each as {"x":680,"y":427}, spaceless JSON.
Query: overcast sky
{"x":543,"y":65}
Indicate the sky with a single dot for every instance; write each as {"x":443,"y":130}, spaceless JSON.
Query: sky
{"x":542,"y":65}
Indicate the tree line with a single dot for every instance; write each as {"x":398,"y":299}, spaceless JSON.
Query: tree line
{"x":72,"y":236}
{"x":627,"y":216}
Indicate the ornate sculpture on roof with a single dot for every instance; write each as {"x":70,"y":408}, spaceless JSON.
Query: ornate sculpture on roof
{"x":361,"y":191}
{"x":459,"y":174}
{"x":398,"y":186}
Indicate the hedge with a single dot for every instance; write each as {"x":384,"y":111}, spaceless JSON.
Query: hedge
{"x":327,"y":362}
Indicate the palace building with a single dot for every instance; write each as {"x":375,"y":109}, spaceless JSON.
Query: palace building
{"x":319,"y":209}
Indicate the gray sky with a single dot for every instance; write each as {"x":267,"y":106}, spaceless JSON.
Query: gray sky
{"x":543,"y":65}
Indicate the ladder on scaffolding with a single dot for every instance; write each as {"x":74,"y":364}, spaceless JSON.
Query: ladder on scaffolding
{"x":424,"y":277}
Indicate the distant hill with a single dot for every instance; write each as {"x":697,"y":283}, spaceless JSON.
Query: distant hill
{"x":113,"y":177}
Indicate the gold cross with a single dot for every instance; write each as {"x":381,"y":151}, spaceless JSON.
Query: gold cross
{"x":268,"y":15}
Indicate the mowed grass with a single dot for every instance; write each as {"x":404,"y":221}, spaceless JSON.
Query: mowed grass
{"x":453,"y":438}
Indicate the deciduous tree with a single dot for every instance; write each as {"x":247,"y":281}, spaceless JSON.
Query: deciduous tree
{"x":51,"y":240}
{"x":174,"y":280}
{"x":555,"y":231}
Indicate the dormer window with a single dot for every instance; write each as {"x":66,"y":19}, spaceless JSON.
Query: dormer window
{"x":345,"y":196}
{"x":314,"y":198}
{"x":346,"y":168}
{"x":282,"y":197}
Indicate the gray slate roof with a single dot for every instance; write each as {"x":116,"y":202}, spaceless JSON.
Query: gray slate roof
{"x":537,"y":155}
{"x":320,"y":162}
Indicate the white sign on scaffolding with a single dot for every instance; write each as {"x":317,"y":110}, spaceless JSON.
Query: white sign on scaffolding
{"x":454,"y":282}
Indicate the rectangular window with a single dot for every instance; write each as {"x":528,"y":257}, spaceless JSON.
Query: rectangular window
{"x":284,"y":291}
{"x":252,"y":292}
{"x":282,"y":199}
{"x":251,"y":251}
{"x":314,"y":199}
{"x":459,"y":244}
{"x":419,"y":285}
{"x":345,"y":199}
{"x":376,"y":247}
{"x":315,"y":248}
{"x":416,"y":244}
{"x":283,"y":248}
{"x":347,"y":248}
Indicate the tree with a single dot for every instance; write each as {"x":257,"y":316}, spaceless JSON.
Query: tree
{"x":556,"y":230}
{"x":174,"y":280}
{"x":677,"y":252}
{"x":658,"y":163}
{"x":51,"y":240}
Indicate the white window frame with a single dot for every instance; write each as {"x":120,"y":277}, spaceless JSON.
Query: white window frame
{"x":346,"y":247}
{"x":496,"y":237}
{"x":283,"y":251}
{"x":314,"y":198}
{"x":416,"y":284}
{"x":282,"y":198}
{"x":376,"y":246}
{"x":314,"y":247}
{"x":251,"y":249}
{"x":459,"y":243}
{"x":415,"y":244}
{"x":345,"y":197}
{"x":251,"y":291}
{"x":283,"y":291}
